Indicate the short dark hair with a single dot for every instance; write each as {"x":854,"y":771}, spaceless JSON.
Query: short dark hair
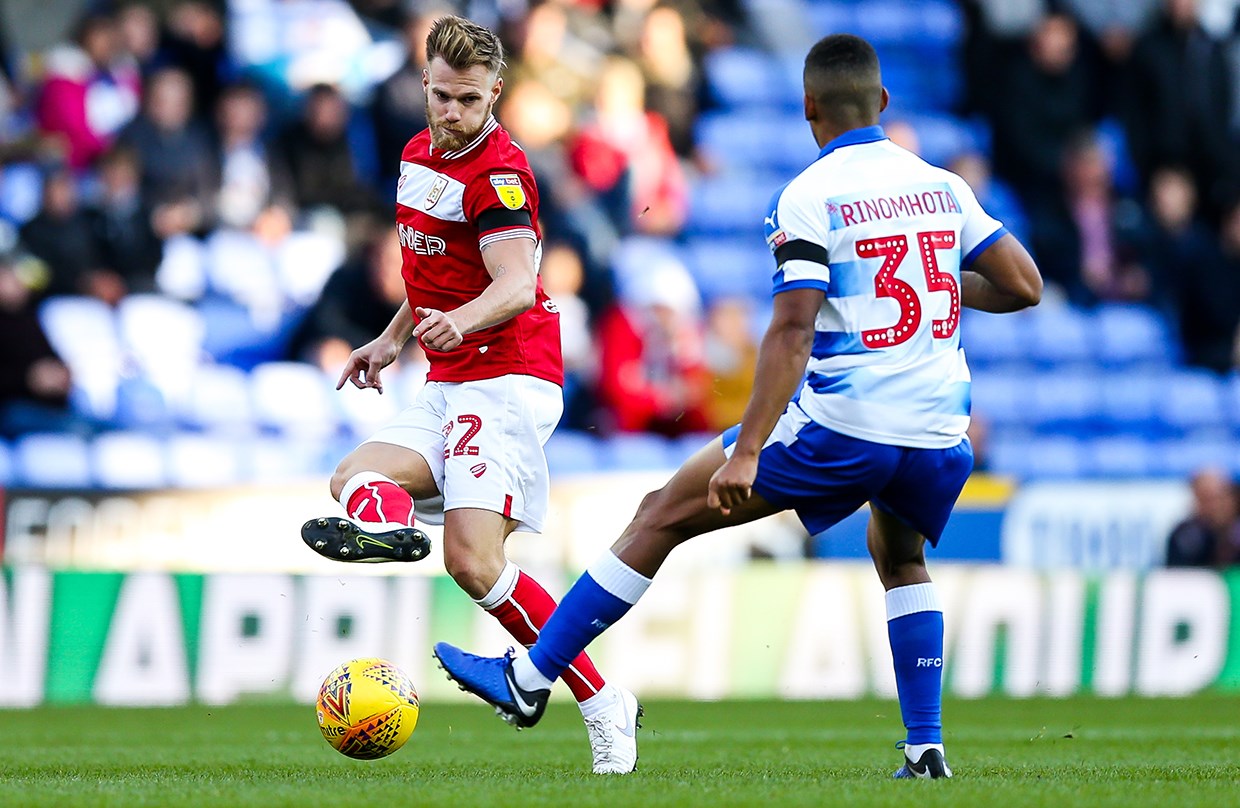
{"x":843,"y":77}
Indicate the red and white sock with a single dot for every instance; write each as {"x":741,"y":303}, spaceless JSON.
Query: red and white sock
{"x":377,"y":501}
{"x":522,"y":606}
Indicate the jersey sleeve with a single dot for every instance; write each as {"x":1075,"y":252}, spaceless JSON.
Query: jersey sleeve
{"x":796,"y":233}
{"x":501,"y":202}
{"x":978,"y":229}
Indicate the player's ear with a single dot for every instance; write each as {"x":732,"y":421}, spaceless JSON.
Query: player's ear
{"x":811,"y":108}
{"x":426,"y":79}
{"x":497,"y":88}
{"x":885,"y":100}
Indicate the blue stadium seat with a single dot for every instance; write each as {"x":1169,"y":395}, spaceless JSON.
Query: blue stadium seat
{"x":1192,"y":400}
{"x":1182,"y":457}
{"x":52,"y":460}
{"x":570,"y":452}
{"x":83,"y":332}
{"x":219,"y":400}
{"x":1121,"y":456}
{"x":364,"y":411}
{"x":775,"y":142}
{"x":1002,"y":398}
{"x":304,"y":263}
{"x":992,"y":339}
{"x":1041,"y":458}
{"x":745,"y":77}
{"x":1231,"y":401}
{"x":203,"y":461}
{"x":736,"y":266}
{"x":1069,"y":401}
{"x":140,"y":405}
{"x":293,"y":398}
{"x":287,"y":459}
{"x":1127,"y":335}
{"x":128,"y":460}
{"x":1059,"y":336}
{"x":182,"y":272}
{"x":685,"y":446}
{"x":941,"y":137}
{"x":165,"y":336}
{"x":637,"y":452}
{"x":1131,"y":401}
{"x":7,"y":471}
{"x":732,"y":203}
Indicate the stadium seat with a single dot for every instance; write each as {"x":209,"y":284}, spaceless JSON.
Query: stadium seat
{"x":992,"y":339}
{"x":1069,"y":400}
{"x":1183,"y":457}
{"x":140,"y":405}
{"x":1192,"y":400}
{"x":290,"y":459}
{"x":1041,"y":458}
{"x":201,"y":461}
{"x":7,"y":472}
{"x":293,"y":398}
{"x":1002,"y":398}
{"x":165,"y":337}
{"x":1130,"y":402}
{"x":570,"y":452}
{"x":723,"y":267}
{"x":50,"y":460}
{"x":128,"y":460}
{"x":1127,"y":335}
{"x":1121,"y":456}
{"x":240,"y":267}
{"x":777,"y":142}
{"x":1231,"y":401}
{"x":744,"y":77}
{"x":1059,"y":336}
{"x":304,"y":262}
{"x":219,"y":400}
{"x":637,"y":452}
{"x":732,"y":203}
{"x":364,"y":411}
{"x":83,"y":332}
{"x":182,"y":272}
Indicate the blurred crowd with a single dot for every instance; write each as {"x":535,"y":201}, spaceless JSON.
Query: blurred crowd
{"x":186,"y":148}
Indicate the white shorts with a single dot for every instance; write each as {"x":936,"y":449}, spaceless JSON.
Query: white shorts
{"x":483,"y":441}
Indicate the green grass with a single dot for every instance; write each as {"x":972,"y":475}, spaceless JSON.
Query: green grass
{"x":1080,"y":752}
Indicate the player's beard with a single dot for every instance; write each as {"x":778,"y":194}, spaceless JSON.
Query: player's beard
{"x":456,"y":137}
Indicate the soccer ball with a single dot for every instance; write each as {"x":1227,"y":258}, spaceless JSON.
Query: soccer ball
{"x":367,"y":708}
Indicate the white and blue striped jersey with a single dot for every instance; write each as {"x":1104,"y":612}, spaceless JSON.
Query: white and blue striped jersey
{"x":884,"y":235}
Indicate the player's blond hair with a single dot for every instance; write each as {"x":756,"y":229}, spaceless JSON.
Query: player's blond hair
{"x":463,"y":44}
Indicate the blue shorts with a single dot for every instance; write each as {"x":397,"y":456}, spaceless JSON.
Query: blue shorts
{"x":825,"y":476}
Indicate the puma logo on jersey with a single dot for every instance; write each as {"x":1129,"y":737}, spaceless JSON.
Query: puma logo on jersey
{"x":421,"y":243}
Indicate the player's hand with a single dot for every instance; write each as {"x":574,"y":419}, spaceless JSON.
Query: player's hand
{"x":437,"y":330}
{"x":365,"y":363}
{"x":732,"y":484}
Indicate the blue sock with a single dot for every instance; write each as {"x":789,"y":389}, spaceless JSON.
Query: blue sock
{"x":601,"y":596}
{"x":915,"y":627}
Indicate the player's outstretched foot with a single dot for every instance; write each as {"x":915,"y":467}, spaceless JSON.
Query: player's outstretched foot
{"x":491,"y":679}
{"x":613,"y":734}
{"x":923,"y":762}
{"x":341,"y":540}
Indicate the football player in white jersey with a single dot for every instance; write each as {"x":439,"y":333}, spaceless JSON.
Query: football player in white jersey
{"x":861,"y":396}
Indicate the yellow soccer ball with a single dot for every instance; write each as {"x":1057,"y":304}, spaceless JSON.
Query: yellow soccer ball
{"x":367,"y":708}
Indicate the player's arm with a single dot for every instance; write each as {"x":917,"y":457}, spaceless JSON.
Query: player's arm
{"x":514,"y":279}
{"x":366,"y":362}
{"x":782,"y":357}
{"x":1002,"y":278}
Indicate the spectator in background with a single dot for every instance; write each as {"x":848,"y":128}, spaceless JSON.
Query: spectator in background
{"x":563,"y":276}
{"x":1174,"y":242}
{"x":673,"y":80}
{"x":1210,"y":536}
{"x":178,"y":166}
{"x":398,"y":109}
{"x":1209,"y":293}
{"x":552,"y":53}
{"x":652,"y":372}
{"x":34,"y":382}
{"x":320,"y":160}
{"x":194,"y":42}
{"x":1179,"y":103}
{"x":994,"y":195}
{"x":732,"y":357}
{"x":60,"y":236}
{"x":358,"y":301}
{"x":624,"y":151}
{"x":250,"y":179}
{"x":90,"y":91}
{"x":1084,"y":236}
{"x":127,"y":246}
{"x":139,"y":31}
{"x":1047,"y":98}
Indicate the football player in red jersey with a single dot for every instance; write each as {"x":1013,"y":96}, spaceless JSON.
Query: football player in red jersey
{"x":469,"y":451}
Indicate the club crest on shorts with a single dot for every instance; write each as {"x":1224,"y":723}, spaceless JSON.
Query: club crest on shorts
{"x":509,"y":190}
{"x":436,"y":191}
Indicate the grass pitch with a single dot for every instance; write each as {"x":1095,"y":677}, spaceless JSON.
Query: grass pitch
{"x":1088,"y":752}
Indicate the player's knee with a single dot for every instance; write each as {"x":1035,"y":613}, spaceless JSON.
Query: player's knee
{"x":340,"y":477}
{"x":660,"y":519}
{"x":474,"y":572}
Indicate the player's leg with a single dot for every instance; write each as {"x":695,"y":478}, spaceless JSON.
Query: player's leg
{"x":911,"y":509}
{"x":377,"y":485}
{"x":606,"y":592}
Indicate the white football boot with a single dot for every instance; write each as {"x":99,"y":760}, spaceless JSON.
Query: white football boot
{"x":613,"y":734}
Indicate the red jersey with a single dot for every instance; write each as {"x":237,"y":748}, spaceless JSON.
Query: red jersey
{"x":449,"y":205}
